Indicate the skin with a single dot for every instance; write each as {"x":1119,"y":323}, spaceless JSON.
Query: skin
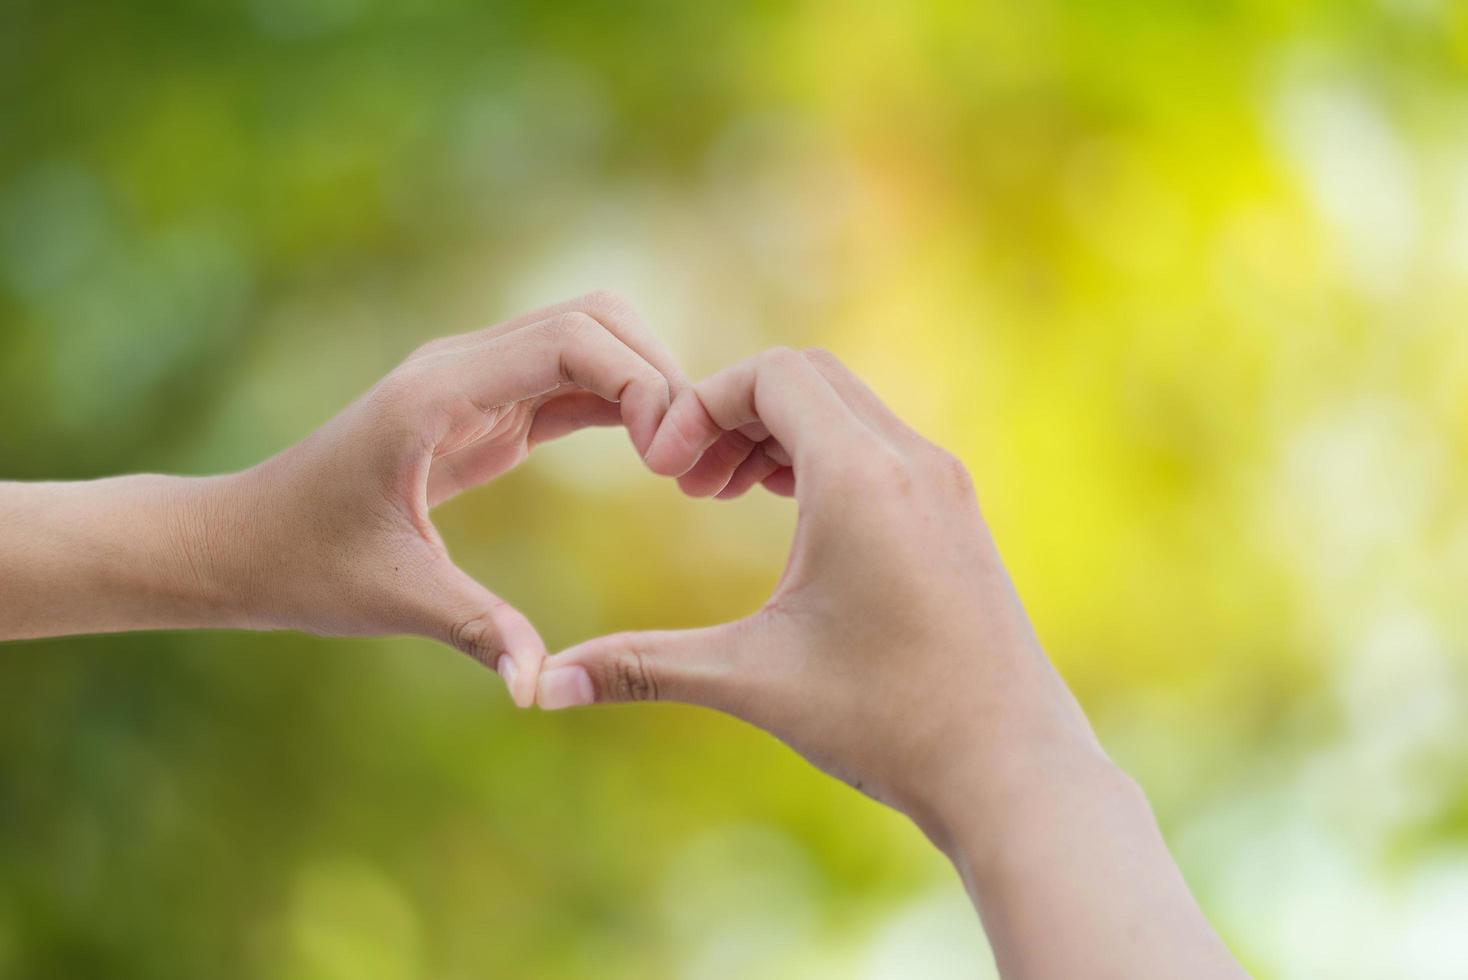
{"x":893,"y":654}
{"x":333,"y":536}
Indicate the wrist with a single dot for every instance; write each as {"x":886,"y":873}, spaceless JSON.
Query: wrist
{"x":1020,"y":756}
{"x":996,"y":817}
{"x":120,"y":554}
{"x":213,"y":538}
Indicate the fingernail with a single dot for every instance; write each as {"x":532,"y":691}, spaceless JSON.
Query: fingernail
{"x":565,"y":687}
{"x":507,"y":669}
{"x":645,"y":449}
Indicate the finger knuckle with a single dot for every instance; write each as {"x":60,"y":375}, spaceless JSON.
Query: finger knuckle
{"x":570,"y":327}
{"x":607,"y":302}
{"x":882,"y":470}
{"x":662,"y":390}
{"x":478,"y":637}
{"x":820,"y":356}
{"x":779,"y":358}
{"x":950,"y":473}
{"x":633,"y":678}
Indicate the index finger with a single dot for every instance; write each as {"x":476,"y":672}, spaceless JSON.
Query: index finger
{"x":779,"y":389}
{"x":613,"y":311}
{"x":569,"y":349}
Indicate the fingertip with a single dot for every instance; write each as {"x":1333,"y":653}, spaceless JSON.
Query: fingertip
{"x":642,"y":435}
{"x":781,"y":482}
{"x":684,"y":432}
{"x":753,"y":470}
{"x":565,"y":687}
{"x":665,"y":454}
{"x":642,"y":414}
{"x":509,"y":672}
{"x":660,"y":404}
{"x":521,"y":663}
{"x":699,"y":485}
{"x":574,"y":677}
{"x":657,"y":459}
{"x":526,"y":670}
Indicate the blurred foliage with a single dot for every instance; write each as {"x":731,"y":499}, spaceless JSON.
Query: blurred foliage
{"x":1183,"y":282}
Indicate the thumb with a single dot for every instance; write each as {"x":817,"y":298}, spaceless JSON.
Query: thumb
{"x":699,"y":666}
{"x":473,"y":620}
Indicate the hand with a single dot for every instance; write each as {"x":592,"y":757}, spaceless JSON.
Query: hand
{"x":894,"y":651}
{"x":894,"y":654}
{"x":334,"y":537}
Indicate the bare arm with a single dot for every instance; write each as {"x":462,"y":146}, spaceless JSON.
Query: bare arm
{"x":333,"y":536}
{"x":127,"y":553}
{"x":895,"y":654}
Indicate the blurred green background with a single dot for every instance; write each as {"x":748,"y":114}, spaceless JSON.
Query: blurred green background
{"x":1185,"y":283}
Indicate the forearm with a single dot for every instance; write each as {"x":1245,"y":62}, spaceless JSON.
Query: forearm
{"x":128,"y":553}
{"x":1072,"y":877}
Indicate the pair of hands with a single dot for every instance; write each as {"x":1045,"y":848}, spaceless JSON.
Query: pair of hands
{"x":892,"y":652}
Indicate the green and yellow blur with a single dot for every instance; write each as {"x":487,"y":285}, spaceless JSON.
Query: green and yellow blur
{"x":1185,"y":284}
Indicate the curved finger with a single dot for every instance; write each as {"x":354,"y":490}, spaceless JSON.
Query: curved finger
{"x":457,"y":610}
{"x":755,"y":431}
{"x":781,"y":482}
{"x":752,"y":472}
{"x":777,"y":452}
{"x":719,"y":462}
{"x":613,"y":311}
{"x":569,"y":349}
{"x":620,"y":318}
{"x":779,"y":389}
{"x":565,"y":414}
